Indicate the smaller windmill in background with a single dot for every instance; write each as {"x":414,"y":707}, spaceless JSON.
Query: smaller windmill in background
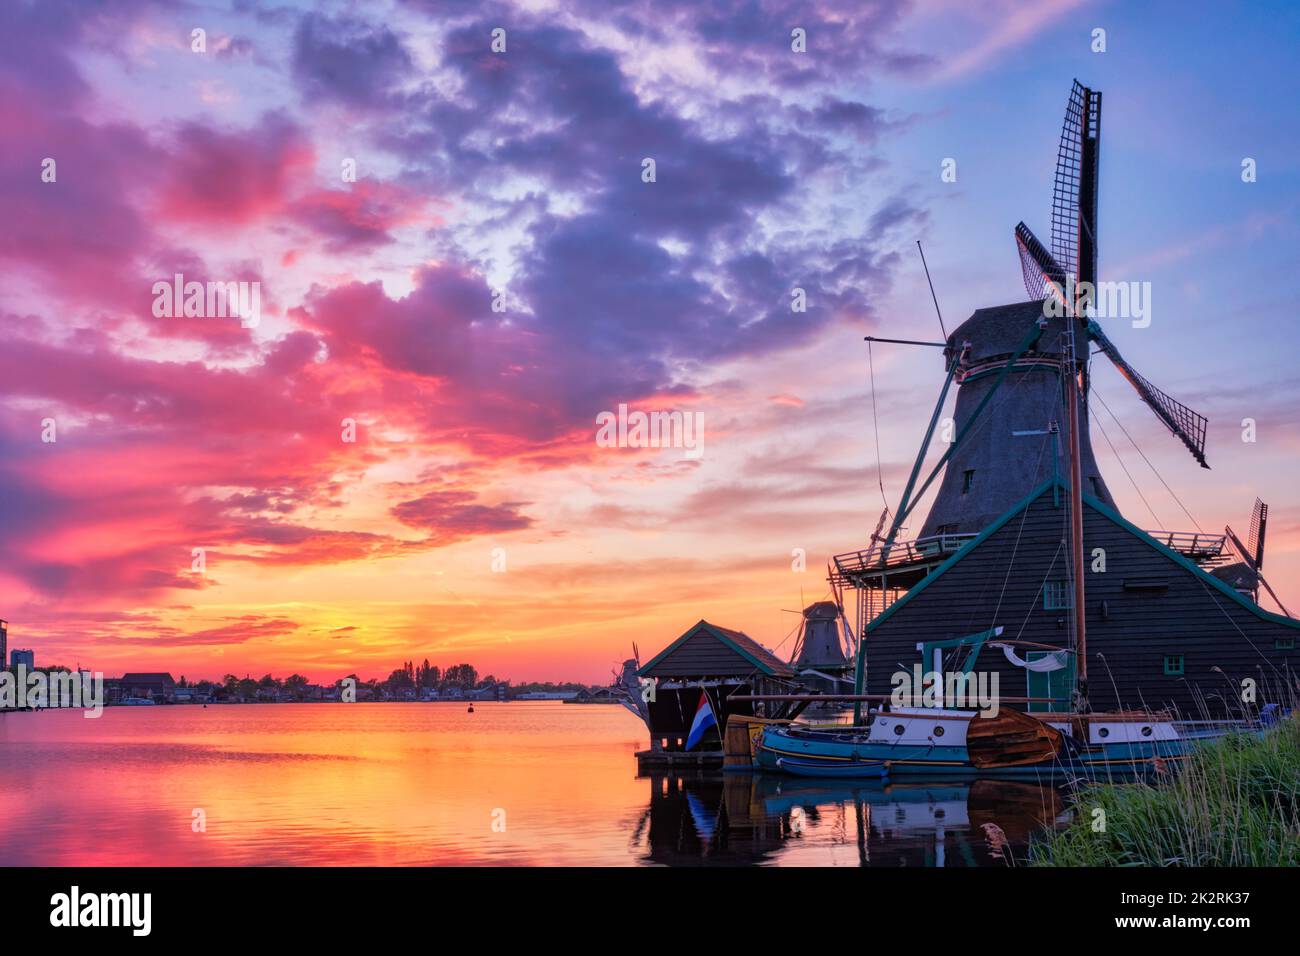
{"x":1247,"y":575}
{"x":1072,"y":262}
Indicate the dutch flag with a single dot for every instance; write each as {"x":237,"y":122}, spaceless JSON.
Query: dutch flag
{"x":704,"y":719}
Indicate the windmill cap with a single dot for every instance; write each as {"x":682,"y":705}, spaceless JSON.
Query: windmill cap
{"x":822,"y":610}
{"x":1000,"y":330}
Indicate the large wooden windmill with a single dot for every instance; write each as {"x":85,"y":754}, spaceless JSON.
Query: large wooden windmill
{"x":1022,"y":512}
{"x":1007,"y":445}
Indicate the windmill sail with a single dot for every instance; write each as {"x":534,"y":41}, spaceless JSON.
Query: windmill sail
{"x":1041,"y":271}
{"x":1258,"y":525}
{"x":1074,"y":254}
{"x":1074,"y":193}
{"x":1074,"y":203}
{"x":1187,"y":425}
{"x":1252,"y":552}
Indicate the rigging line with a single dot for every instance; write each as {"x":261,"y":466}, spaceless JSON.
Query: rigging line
{"x":1153,"y":468}
{"x":1056,"y":404}
{"x":1033,"y":605}
{"x":786,"y":638}
{"x":1024,"y":515}
{"x":1132,"y":481}
{"x":970,"y":621}
{"x":994,"y":406}
{"x":1252,"y":644}
{"x":988,"y":413}
{"x":750,"y":676}
{"x":880,"y":477}
{"x":942,"y":327}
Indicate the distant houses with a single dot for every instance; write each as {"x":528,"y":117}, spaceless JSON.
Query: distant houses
{"x":158,"y":687}
{"x":497,"y":691}
{"x":191,"y":694}
{"x":601,"y":695}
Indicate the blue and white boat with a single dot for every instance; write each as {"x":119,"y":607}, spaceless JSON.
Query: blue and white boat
{"x":943,"y":741}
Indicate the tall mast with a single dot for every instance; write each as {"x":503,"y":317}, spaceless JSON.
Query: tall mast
{"x":1085,"y":275}
{"x":1072,"y":393}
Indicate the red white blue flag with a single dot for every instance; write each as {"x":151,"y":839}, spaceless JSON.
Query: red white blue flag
{"x":704,"y":719}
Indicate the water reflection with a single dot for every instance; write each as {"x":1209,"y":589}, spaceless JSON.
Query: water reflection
{"x":424,"y":784}
{"x":755,"y":819}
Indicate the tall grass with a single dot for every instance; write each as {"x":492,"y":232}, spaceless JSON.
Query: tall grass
{"x":1234,"y":802}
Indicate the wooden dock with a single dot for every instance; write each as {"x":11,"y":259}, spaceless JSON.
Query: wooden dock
{"x":660,"y":760}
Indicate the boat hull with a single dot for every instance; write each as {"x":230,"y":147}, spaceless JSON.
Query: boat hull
{"x":848,"y":770}
{"x":781,"y":747}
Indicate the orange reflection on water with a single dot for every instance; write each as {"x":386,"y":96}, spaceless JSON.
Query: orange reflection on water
{"x":330,"y":784}
{"x":406,"y":784}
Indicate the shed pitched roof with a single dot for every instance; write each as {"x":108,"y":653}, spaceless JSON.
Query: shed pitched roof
{"x":147,"y":679}
{"x":740,"y":655}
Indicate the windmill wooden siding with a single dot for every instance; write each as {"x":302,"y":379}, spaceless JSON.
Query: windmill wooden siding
{"x":1008,"y":452}
{"x":1146,"y":605}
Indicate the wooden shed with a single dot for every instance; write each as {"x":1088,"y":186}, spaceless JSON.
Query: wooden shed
{"x":716,"y":661}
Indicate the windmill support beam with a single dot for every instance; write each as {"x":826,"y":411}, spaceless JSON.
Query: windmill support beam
{"x":904,"y":507}
{"x":933,"y":345}
{"x":1029,"y":341}
{"x":906,"y":502}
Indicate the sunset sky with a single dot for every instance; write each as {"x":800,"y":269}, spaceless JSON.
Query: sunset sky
{"x":521,"y":172}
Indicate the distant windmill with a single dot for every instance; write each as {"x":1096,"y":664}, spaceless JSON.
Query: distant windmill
{"x":1252,"y":552}
{"x":1073,"y":258}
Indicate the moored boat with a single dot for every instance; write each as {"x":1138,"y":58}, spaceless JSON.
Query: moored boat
{"x":941,"y":741}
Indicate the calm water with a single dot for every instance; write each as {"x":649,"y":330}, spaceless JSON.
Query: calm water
{"x":387,"y":784}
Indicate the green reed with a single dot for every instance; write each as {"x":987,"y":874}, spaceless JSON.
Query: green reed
{"x":1234,"y":802}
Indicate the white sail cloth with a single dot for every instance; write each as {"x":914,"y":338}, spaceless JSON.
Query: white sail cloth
{"x":1048,"y":662}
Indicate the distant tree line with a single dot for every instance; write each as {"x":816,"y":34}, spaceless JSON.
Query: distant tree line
{"x":409,"y":678}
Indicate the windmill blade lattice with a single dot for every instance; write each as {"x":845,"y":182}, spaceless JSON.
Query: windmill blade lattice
{"x":1040,"y":270}
{"x":1074,"y":192}
{"x":1258,"y":522}
{"x":1188,"y":425}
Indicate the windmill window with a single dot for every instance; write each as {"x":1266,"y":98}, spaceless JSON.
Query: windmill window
{"x":968,"y":479}
{"x":1284,"y":644}
{"x":1096,"y":488}
{"x":1174,"y":665}
{"x":1056,"y":596}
